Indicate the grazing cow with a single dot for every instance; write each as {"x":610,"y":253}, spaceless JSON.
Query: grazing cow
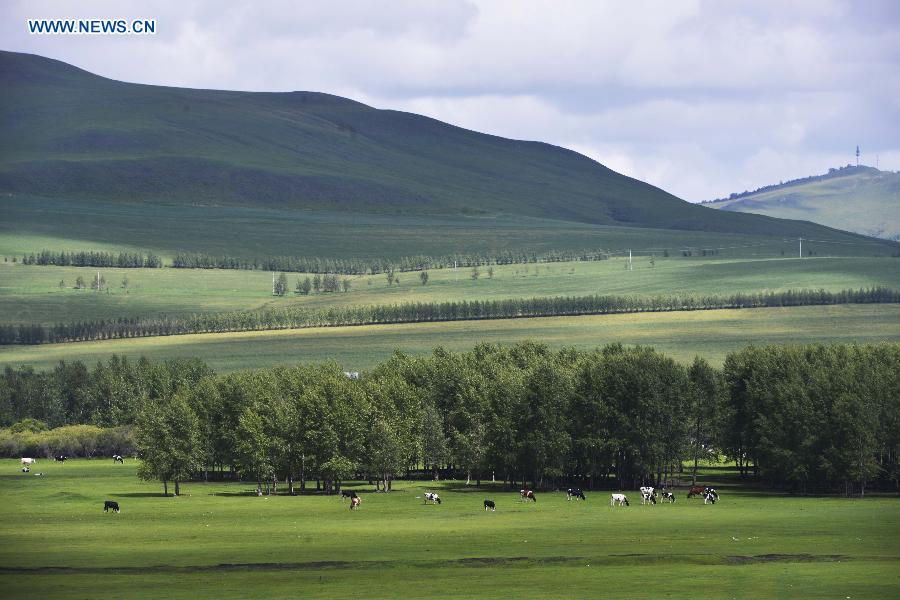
{"x":696,"y":490}
{"x":348,"y":494}
{"x":28,"y":461}
{"x":528,"y":495}
{"x":648,"y":495}
{"x":118,"y":458}
{"x":618,"y":499}
{"x":435,"y":499}
{"x":710,"y":495}
{"x":25,"y":469}
{"x":111,"y":504}
{"x":61,"y":458}
{"x":668,"y":497}
{"x":489,"y":504}
{"x":38,"y":474}
{"x":574,"y":493}
{"x":355,"y":502}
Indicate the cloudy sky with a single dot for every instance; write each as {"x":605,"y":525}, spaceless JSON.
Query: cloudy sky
{"x":701,"y":98}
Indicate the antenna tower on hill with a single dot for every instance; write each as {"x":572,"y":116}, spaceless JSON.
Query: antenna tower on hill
{"x":857,"y":155}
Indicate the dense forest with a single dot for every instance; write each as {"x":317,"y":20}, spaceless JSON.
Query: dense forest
{"x":804,"y":418}
{"x":299,"y":317}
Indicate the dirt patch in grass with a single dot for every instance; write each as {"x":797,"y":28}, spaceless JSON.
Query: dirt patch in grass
{"x":766,"y":558}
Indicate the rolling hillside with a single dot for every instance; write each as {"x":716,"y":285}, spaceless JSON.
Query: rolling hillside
{"x":65,"y":133}
{"x":859,"y":199}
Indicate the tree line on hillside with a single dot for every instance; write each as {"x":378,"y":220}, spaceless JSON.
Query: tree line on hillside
{"x":803,"y":418}
{"x":122,"y":260}
{"x":299,"y":317}
{"x":374,"y":266}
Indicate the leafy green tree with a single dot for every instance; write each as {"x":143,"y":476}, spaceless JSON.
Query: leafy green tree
{"x":434,"y":441}
{"x":423,"y":277}
{"x":317,"y":283}
{"x":62,"y":284}
{"x":304,"y":287}
{"x":168,"y":438}
{"x":707,"y":391}
{"x":490,"y":272}
{"x":79,"y":283}
{"x":345,"y":284}
{"x":255,"y":448}
{"x":279,"y":288}
{"x":475,"y":273}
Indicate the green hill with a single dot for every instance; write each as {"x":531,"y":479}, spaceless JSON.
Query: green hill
{"x":859,"y":199}
{"x":68,"y":133}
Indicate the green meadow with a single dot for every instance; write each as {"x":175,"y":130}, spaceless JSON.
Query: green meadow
{"x":682,"y":335}
{"x":32,"y":294}
{"x":221,"y":540}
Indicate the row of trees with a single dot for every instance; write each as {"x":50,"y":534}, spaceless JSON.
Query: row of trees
{"x":71,"y":440}
{"x":125,"y":260}
{"x":301,"y":317}
{"x":107,"y":395}
{"x":801,"y":418}
{"x":374,"y":266}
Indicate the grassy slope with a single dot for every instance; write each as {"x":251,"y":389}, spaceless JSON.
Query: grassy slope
{"x":31,"y":294}
{"x":711,"y":334}
{"x":862,"y":199}
{"x":816,"y":547}
{"x":69,"y":134}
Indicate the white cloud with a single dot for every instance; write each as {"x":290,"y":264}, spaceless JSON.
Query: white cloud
{"x":700,"y":97}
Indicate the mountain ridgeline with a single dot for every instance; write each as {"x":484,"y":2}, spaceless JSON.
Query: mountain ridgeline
{"x":66,"y":133}
{"x":856,"y":198}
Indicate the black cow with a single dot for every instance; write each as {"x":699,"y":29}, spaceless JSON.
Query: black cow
{"x":574,"y":493}
{"x":61,"y":458}
{"x":111,"y":504}
{"x":489,"y":504}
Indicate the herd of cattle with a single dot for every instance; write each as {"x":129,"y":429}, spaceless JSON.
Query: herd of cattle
{"x":649,"y":495}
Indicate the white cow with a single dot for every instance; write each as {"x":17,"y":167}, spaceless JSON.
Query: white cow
{"x":618,"y":499}
{"x":28,"y":461}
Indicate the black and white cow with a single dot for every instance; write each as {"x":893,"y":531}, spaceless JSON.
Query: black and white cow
{"x":348,"y":494}
{"x":489,"y":504}
{"x":61,"y":458}
{"x":25,"y":469}
{"x":111,"y":504}
{"x":528,"y":495}
{"x":668,"y":497}
{"x":648,"y":495}
{"x":118,"y":458}
{"x":710,"y":496}
{"x":618,"y":500}
{"x":574,"y":493}
{"x":435,"y":499}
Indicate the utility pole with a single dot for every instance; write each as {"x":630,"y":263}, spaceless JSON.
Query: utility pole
{"x":630,"y":264}
{"x":857,"y":155}
{"x":801,"y":246}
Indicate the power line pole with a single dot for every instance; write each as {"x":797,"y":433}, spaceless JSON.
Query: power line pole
{"x":801,"y":246}
{"x":857,"y":155}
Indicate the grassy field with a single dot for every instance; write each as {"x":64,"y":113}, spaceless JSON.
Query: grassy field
{"x":220,"y":540}
{"x":682,"y":335}
{"x":31,"y":294}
